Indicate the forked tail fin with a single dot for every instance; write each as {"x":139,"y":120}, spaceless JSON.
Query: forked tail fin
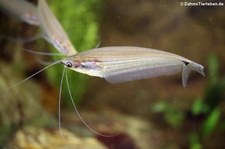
{"x":187,"y":69}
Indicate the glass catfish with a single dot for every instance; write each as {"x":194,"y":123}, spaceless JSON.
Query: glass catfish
{"x":21,"y":9}
{"x":53,"y":31}
{"x":122,"y":63}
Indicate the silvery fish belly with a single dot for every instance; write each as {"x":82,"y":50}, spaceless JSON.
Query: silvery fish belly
{"x":121,"y":64}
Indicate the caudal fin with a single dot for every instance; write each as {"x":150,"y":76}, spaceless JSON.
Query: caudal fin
{"x":187,"y":69}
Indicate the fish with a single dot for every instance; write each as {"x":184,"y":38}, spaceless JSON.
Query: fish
{"x":118,"y":64}
{"x":22,"y":10}
{"x":52,"y":30}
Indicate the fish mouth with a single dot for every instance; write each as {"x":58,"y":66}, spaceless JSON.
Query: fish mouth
{"x":63,"y":63}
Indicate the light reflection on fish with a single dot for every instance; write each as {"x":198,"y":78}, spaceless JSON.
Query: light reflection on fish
{"x":122,"y":64}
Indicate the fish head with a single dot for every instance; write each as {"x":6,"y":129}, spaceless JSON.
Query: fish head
{"x":91,"y":68}
{"x":71,"y":63}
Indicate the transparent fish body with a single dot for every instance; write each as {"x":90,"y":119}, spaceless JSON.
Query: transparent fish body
{"x":53,"y":31}
{"x":22,"y":10}
{"x":122,"y":64}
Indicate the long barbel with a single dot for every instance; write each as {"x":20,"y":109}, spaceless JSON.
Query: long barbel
{"x":53,"y":31}
{"x":121,"y":64}
{"x":21,"y":9}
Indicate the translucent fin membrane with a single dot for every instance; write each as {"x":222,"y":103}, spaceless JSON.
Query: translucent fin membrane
{"x":187,"y":70}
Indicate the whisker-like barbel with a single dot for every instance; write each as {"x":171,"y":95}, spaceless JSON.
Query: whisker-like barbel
{"x":53,"y":31}
{"x":34,"y":74}
{"x":21,"y":9}
{"x":78,"y":114}
{"x":121,"y":64}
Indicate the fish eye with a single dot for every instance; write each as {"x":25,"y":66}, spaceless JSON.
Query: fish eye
{"x":69,"y":64}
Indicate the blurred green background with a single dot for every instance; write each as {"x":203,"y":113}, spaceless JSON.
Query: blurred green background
{"x":176,"y":117}
{"x":81,"y":22}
